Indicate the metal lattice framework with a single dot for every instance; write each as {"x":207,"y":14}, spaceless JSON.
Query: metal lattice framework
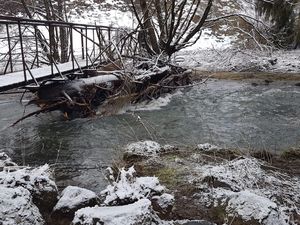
{"x":27,"y":44}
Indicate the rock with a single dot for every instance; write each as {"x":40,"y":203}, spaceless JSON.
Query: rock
{"x":194,"y":222}
{"x":137,"y":213}
{"x":72,"y":198}
{"x":251,"y":206}
{"x":37,"y":181}
{"x":273,"y":61}
{"x":207,"y":147}
{"x":128,"y":188}
{"x":214,"y":182}
{"x":16,"y":207}
{"x":143,"y":148}
{"x":5,"y":161}
{"x":163,"y":205}
{"x":267,"y":82}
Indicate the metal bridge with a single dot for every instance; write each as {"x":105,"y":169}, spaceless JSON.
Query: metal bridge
{"x":32,"y":50}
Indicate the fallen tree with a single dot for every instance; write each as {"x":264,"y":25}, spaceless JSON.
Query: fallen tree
{"x":106,"y":92}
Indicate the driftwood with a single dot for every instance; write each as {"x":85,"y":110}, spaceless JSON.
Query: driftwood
{"x":105,"y":91}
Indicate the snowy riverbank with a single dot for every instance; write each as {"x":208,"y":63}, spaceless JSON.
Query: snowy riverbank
{"x":216,"y":185}
{"x":236,"y":60}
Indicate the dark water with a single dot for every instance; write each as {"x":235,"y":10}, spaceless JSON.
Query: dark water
{"x":225,"y":113}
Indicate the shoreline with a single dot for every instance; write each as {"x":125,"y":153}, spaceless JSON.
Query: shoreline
{"x":158,"y":180}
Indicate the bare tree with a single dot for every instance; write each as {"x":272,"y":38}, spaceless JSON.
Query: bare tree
{"x":58,"y":38}
{"x":167,"y":26}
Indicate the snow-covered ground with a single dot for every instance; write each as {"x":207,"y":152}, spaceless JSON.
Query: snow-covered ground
{"x":245,"y":188}
{"x":220,"y":47}
{"x":240,"y":60}
{"x":268,"y":197}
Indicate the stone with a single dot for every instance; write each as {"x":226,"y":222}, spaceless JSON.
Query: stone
{"x":163,"y":205}
{"x":5,"y":161}
{"x":37,"y":181}
{"x":72,"y":199}
{"x":137,"y":213}
{"x":16,"y":207}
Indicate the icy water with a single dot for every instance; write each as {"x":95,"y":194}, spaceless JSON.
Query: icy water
{"x":224,"y":113}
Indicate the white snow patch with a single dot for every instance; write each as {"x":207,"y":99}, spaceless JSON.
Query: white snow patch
{"x":35,"y":180}
{"x":16,"y":207}
{"x":147,"y":148}
{"x":252,"y":206}
{"x":139,"y":212}
{"x":210,"y":41}
{"x":252,"y":192}
{"x":72,"y":197}
{"x":129,"y":188}
{"x":5,"y":161}
{"x":207,"y":147}
{"x":165,"y":200}
{"x":240,"y":60}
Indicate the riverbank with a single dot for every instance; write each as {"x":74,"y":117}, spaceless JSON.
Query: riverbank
{"x":239,"y":60}
{"x":152,"y":184}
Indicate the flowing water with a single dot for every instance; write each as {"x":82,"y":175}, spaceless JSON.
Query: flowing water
{"x":225,"y":113}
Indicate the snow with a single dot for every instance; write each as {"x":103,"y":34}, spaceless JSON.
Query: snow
{"x":19,"y":187}
{"x":16,"y":207}
{"x":165,"y":200}
{"x":129,"y":188}
{"x":252,"y":206}
{"x":35,"y":180}
{"x":139,"y":212}
{"x":209,"y":41}
{"x":18,"y":77}
{"x":207,"y":147}
{"x":72,"y":197}
{"x":5,"y":161}
{"x":107,"y":13}
{"x":99,"y":79}
{"x":240,"y":60}
{"x":250,"y":191}
{"x":147,"y":148}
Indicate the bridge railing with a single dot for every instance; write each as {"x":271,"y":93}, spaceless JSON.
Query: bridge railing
{"x":26,"y":44}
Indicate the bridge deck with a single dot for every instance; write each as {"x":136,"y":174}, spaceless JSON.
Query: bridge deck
{"x":13,"y":80}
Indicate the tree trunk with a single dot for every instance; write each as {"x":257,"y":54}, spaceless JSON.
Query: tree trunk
{"x":62,"y":34}
{"x":149,"y":31}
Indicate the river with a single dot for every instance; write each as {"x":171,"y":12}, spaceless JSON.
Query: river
{"x":230,"y":114}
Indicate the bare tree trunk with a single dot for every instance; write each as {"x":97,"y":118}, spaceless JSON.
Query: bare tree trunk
{"x":40,"y":37}
{"x":62,"y":34}
{"x":53,"y":43}
{"x":148,"y":27}
{"x":175,"y":28}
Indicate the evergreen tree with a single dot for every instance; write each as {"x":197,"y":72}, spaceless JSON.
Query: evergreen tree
{"x":285,"y":17}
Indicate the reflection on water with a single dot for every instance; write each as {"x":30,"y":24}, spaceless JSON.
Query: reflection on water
{"x":225,"y":113}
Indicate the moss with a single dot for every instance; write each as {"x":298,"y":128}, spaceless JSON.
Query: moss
{"x":168,"y":176}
